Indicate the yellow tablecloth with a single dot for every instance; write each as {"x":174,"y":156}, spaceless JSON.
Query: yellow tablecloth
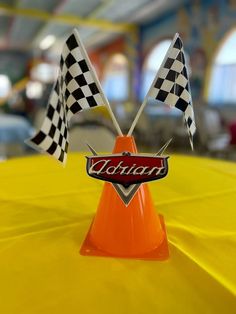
{"x":46,"y":211}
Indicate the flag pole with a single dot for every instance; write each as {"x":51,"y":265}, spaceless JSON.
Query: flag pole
{"x":93,"y":73}
{"x":114,"y":120}
{"x":147,"y":96}
{"x":163,"y":148}
{"x":137,"y":116}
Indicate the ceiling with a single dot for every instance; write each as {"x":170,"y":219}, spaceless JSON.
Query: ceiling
{"x":25,"y":23}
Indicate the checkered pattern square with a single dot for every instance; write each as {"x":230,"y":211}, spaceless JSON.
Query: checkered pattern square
{"x":76,"y":89}
{"x":171,"y":85}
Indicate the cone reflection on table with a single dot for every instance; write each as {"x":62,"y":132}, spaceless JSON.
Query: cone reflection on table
{"x":126,"y":231}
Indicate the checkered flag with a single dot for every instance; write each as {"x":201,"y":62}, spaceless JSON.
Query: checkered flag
{"x":77,"y":88}
{"x":171,"y":84}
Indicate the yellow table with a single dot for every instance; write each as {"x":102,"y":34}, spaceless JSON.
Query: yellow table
{"x":46,"y":211}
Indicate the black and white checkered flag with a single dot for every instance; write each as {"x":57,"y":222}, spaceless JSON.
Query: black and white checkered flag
{"x":77,"y":88}
{"x":171,"y":84}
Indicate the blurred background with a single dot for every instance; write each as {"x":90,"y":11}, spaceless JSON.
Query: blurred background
{"x":126,"y":41}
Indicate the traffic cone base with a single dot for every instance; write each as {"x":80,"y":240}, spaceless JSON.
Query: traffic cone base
{"x":160,"y":253}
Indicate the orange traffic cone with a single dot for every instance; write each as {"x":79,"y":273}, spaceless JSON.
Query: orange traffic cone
{"x":133,"y":231}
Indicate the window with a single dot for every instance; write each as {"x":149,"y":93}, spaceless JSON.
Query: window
{"x":44,"y":72}
{"x":115,"y":82}
{"x":5,"y":86}
{"x":222,"y":87}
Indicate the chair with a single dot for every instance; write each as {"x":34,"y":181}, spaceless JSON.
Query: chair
{"x":13,"y":131}
{"x":98,"y":136}
{"x":211,"y":132}
{"x":11,"y":150}
{"x":39,"y":118}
